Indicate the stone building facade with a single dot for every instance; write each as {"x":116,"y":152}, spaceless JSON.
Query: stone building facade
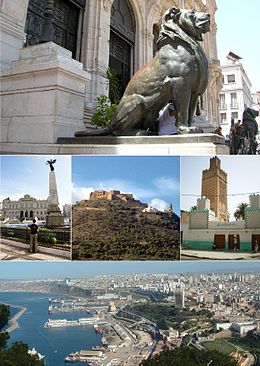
{"x":203,"y":230}
{"x":110,"y":196}
{"x":235,"y":94}
{"x":103,"y":33}
{"x":214,"y":187}
{"x":26,"y":207}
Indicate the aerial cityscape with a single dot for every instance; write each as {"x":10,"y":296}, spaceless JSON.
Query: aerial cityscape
{"x":132,"y":318}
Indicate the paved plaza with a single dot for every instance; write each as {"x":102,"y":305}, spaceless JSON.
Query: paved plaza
{"x":187,"y":254}
{"x":9,"y":251}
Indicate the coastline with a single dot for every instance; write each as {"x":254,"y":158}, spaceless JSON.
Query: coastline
{"x":14,"y":320}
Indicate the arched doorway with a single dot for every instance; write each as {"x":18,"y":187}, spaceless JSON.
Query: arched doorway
{"x":65,"y":23}
{"x":122,"y":40}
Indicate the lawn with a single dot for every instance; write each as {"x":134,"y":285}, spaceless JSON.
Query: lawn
{"x":219,"y":345}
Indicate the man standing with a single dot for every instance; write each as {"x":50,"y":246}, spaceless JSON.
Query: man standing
{"x":33,"y":237}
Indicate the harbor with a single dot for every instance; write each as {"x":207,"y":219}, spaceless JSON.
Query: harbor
{"x":54,"y":343}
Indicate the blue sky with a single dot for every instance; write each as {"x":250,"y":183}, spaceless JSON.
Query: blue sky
{"x":153,"y":180}
{"x":243,"y":177}
{"x":22,"y":175}
{"x":31,"y":270}
{"x":238,"y":31}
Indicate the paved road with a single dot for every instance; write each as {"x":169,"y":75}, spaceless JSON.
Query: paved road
{"x":187,"y":254}
{"x":13,"y":253}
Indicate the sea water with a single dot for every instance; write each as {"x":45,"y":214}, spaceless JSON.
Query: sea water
{"x":54,"y":343}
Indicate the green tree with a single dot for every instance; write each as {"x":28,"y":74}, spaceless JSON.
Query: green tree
{"x":104,"y":112}
{"x":240,"y":211}
{"x":114,"y":86}
{"x":188,"y":356}
{"x":17,"y":354}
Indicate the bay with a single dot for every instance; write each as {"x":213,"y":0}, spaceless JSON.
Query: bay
{"x":54,"y":343}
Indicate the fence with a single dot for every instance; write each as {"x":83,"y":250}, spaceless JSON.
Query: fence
{"x":49,"y":238}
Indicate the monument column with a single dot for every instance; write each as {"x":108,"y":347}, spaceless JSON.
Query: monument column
{"x":54,"y":216}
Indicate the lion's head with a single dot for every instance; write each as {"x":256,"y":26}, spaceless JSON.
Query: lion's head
{"x":193,"y":23}
{"x":250,"y":114}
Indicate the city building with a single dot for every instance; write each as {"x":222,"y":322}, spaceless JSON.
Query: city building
{"x":180,"y":299}
{"x":235,"y":95}
{"x":25,"y":208}
{"x":214,"y":187}
{"x":66,"y":211}
{"x":119,"y":34}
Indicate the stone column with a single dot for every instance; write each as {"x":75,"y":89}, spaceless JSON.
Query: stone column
{"x":95,"y":52}
{"x":54,"y":216}
{"x":13,"y":17}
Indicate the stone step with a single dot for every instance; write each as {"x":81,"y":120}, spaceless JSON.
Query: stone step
{"x":87,"y":118}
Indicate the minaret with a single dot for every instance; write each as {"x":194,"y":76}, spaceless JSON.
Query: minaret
{"x":214,"y":187}
{"x":54,"y":216}
{"x":169,"y":208}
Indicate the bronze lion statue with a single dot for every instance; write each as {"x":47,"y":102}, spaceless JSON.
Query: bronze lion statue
{"x":178,"y":72}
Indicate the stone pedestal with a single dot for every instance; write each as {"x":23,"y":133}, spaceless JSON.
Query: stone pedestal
{"x":42,"y":96}
{"x":202,"y":123}
{"x":192,"y":144}
{"x":54,"y":216}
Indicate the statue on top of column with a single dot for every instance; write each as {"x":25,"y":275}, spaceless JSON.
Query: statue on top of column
{"x":50,"y":163}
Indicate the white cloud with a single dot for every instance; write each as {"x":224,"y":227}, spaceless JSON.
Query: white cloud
{"x":166,"y":184}
{"x":81,"y":193}
{"x":159,"y":204}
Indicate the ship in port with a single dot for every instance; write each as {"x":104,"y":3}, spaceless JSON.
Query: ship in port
{"x":98,"y":329}
{"x":85,"y":356}
{"x":56,"y":323}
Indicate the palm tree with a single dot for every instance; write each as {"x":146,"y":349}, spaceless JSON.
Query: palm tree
{"x":240,"y":211}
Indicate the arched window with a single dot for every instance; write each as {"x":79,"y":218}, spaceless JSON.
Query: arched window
{"x":65,"y":23}
{"x":156,"y":31}
{"x":122,"y":40}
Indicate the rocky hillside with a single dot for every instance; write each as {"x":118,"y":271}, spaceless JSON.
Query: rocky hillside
{"x":117,"y":230}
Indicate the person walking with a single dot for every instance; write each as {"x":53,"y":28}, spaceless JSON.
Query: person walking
{"x":33,"y":237}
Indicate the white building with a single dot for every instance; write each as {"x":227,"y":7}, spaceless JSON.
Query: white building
{"x":235,"y":95}
{"x":202,"y":230}
{"x":25,"y":208}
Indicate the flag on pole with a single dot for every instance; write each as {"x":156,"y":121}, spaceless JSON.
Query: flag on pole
{"x":233,"y":57}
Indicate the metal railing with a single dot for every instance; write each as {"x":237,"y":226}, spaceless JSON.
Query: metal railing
{"x":50,"y":238}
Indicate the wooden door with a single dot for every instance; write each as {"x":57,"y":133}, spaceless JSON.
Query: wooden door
{"x":219,"y":241}
{"x":255,"y":241}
